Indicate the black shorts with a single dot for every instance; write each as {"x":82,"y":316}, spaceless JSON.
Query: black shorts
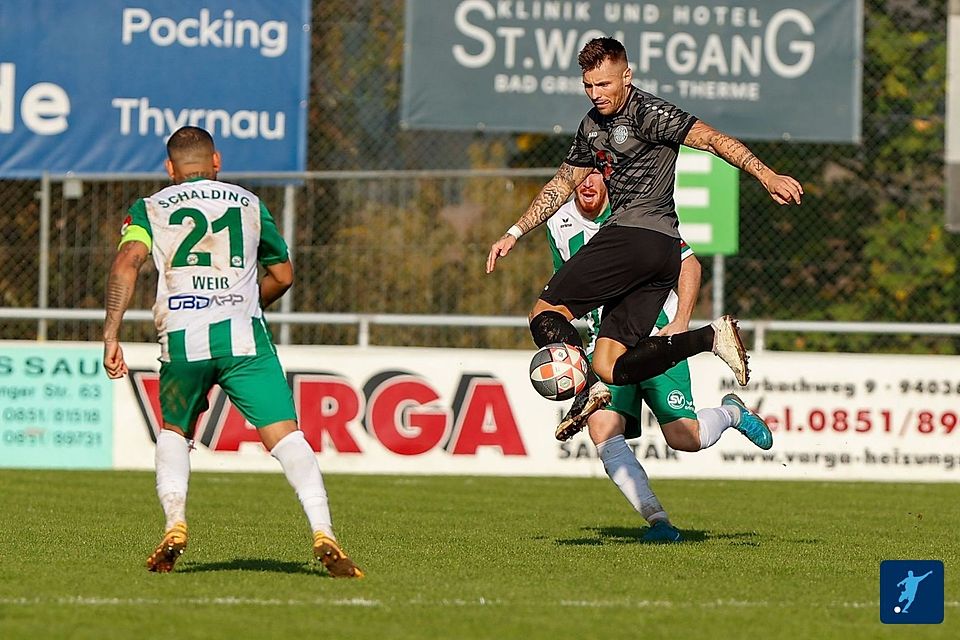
{"x":627,"y":270}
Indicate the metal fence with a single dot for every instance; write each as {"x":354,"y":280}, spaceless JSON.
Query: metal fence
{"x":393,"y":221}
{"x":391,"y":258}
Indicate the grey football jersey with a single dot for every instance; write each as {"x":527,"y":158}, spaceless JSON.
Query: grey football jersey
{"x":636,"y":151}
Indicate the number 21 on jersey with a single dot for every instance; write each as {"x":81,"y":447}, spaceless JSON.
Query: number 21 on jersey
{"x":185,"y":256}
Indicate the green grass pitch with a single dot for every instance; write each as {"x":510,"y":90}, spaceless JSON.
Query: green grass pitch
{"x":466,"y":557}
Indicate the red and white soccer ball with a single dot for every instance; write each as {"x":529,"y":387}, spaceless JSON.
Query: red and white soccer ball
{"x":558,"y":371}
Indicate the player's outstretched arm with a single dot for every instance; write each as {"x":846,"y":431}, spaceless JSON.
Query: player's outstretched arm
{"x":120,"y":287}
{"x":551,"y":197}
{"x":783,"y":189}
{"x":276,"y":281}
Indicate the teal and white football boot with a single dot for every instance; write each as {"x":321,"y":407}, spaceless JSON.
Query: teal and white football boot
{"x":750,"y":425}
{"x":662,"y":531}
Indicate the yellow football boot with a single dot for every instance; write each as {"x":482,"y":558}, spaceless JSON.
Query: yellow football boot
{"x":170,"y":548}
{"x":334,"y":559}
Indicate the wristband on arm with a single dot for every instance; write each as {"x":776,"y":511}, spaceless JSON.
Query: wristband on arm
{"x":514,"y":231}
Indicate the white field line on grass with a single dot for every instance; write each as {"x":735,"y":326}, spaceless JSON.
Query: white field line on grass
{"x":93,"y":601}
{"x":227,"y":600}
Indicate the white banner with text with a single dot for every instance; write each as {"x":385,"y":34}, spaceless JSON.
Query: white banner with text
{"x":463,"y":411}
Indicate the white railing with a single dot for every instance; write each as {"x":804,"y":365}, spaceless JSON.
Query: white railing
{"x":287,"y":222}
{"x":363,"y":322}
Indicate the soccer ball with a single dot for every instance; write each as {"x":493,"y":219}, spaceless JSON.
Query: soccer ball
{"x":558,"y":371}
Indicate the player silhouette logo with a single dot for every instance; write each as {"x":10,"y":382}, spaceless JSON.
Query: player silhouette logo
{"x":903,"y":600}
{"x":909,"y":584}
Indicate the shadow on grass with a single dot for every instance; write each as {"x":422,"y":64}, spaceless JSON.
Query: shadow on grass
{"x":634,"y":535}
{"x":250,"y":564}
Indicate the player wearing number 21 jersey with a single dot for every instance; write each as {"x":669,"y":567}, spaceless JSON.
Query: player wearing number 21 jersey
{"x":207,"y":238}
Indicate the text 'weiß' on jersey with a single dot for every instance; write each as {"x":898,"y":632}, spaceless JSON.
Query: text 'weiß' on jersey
{"x":206,"y":238}
{"x":568,"y":231}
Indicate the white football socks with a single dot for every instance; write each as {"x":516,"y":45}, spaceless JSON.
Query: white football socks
{"x":627,"y":473}
{"x":303,"y":472}
{"x":714,"y":421}
{"x":173,"y":475}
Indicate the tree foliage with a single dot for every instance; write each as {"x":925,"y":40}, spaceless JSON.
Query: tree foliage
{"x":867,"y":244}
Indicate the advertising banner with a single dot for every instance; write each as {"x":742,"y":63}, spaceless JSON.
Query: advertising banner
{"x":708,"y":202}
{"x":759,"y":69}
{"x":464,"y":411}
{"x":100,"y":86}
{"x":474,"y":412}
{"x":56,"y":407}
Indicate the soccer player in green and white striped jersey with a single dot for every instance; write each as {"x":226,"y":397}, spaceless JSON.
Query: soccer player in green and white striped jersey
{"x":668,"y":395}
{"x":207,"y":238}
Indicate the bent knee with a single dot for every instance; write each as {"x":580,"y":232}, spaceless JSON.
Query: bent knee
{"x":605,"y":357}
{"x":682,"y":434}
{"x":540,"y":306}
{"x":684,"y":443}
{"x":603,"y":367}
{"x":604,"y":425}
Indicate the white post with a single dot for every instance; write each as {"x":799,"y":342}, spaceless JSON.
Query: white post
{"x":759,"y":336}
{"x":718,"y":277}
{"x":363,"y":331}
{"x":289,"y":226}
{"x":952,"y":124}
{"x":43,"y":275}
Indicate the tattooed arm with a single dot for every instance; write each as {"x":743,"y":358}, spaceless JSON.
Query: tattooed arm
{"x":120,"y":286}
{"x":783,"y":189}
{"x":551,"y":197}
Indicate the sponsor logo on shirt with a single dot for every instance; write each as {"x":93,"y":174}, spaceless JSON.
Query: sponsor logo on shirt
{"x":191,"y":301}
{"x":605,"y":162}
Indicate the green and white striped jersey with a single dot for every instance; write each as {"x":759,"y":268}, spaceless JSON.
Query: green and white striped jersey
{"x":206,"y":238}
{"x":567,"y":231}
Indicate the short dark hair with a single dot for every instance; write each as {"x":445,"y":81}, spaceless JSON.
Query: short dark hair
{"x":599,"y":49}
{"x":189,"y":140}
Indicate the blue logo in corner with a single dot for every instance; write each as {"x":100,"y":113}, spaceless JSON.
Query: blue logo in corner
{"x":911,"y":592}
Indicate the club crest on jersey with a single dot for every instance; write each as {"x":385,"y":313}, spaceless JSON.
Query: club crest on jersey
{"x":236,"y":261}
{"x":676,"y":399}
{"x":620,"y":134}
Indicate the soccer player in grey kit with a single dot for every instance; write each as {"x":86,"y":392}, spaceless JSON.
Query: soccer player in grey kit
{"x":632,"y":137}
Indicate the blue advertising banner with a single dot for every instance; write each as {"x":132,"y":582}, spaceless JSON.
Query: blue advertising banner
{"x":99,"y":86}
{"x":56,"y":408}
